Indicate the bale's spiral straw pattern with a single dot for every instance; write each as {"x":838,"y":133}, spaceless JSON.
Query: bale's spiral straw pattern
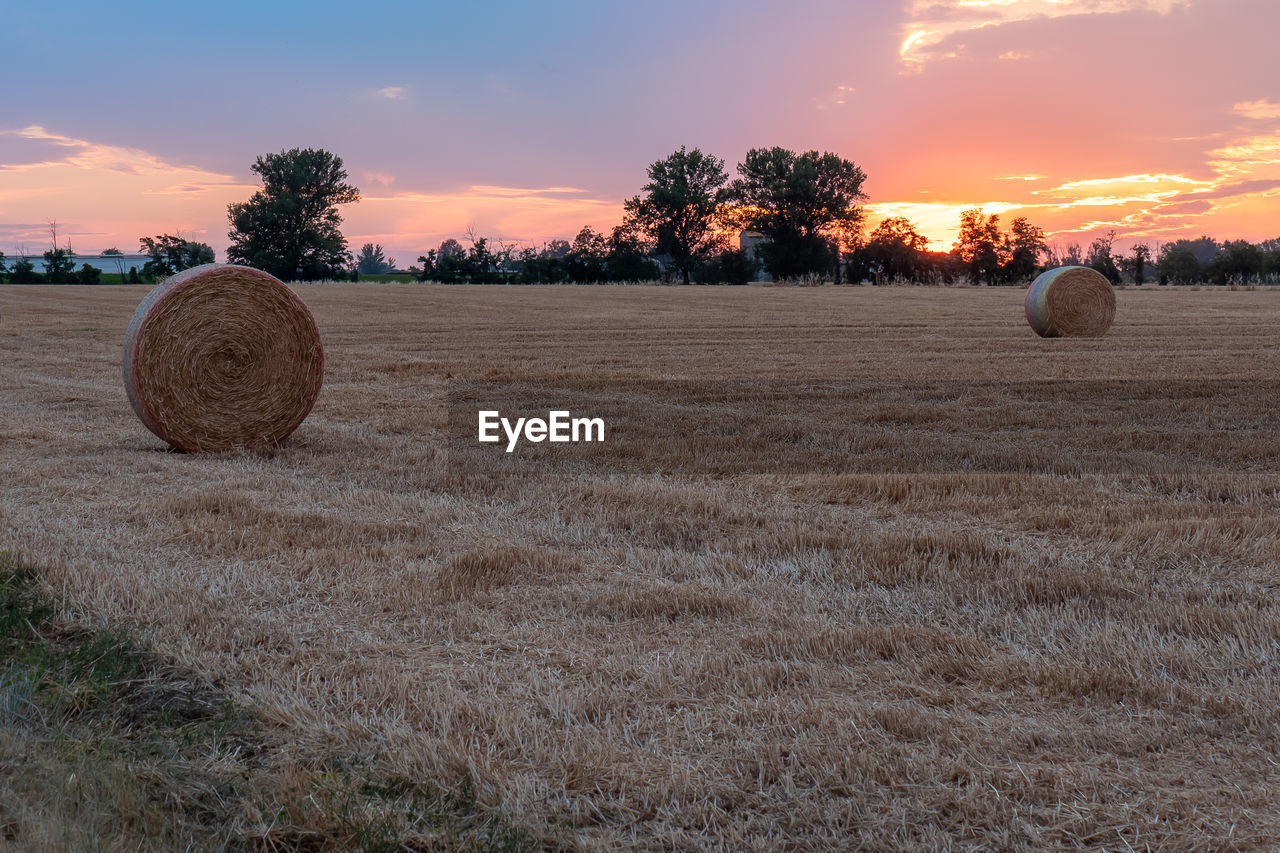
{"x":221,"y":357}
{"x":1071,"y":302}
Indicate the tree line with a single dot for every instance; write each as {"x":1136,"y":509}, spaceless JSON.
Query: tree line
{"x":167,"y":254}
{"x":804,"y":205}
{"x":799,"y":215}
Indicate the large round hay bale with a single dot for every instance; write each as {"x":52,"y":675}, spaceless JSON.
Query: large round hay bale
{"x":221,"y":357}
{"x":1071,"y":302}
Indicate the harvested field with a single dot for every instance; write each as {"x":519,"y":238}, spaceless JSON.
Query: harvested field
{"x":1036,"y":605}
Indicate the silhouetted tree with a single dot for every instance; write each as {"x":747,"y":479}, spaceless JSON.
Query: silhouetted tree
{"x":24,"y":272}
{"x":89,"y":275}
{"x":1100,"y":257}
{"x":980,"y":244}
{"x":1271,"y":255}
{"x":372,"y":261}
{"x":1238,"y":260}
{"x":679,"y":210}
{"x":172,"y":254}
{"x":1025,"y":246}
{"x":806,"y":205}
{"x":289,"y":228}
{"x":627,"y":258}
{"x":1177,"y":263}
{"x":587,"y":255}
{"x":1135,"y":264}
{"x":734,"y":266}
{"x":1069,"y":256}
{"x":893,"y":250}
{"x":59,"y":266}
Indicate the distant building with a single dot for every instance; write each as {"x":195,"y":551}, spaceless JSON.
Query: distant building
{"x":107,"y":263}
{"x":751,"y":242}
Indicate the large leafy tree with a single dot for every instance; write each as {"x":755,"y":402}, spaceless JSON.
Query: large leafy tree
{"x":1239,"y":259}
{"x":172,"y":254}
{"x":1025,"y":245}
{"x":289,"y":228}
{"x":806,"y":205}
{"x":1178,"y":264}
{"x":679,"y":210}
{"x":893,"y":250}
{"x":980,"y":244}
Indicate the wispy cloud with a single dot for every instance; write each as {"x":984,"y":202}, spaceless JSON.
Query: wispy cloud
{"x":97,"y":157}
{"x":391,"y":93}
{"x":932,"y":24}
{"x":384,"y":179}
{"x":1257,"y":109}
{"x":838,"y":97}
{"x":115,"y":192}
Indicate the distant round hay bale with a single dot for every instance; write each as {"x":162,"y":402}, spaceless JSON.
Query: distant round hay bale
{"x":1071,"y":302}
{"x":221,"y":357}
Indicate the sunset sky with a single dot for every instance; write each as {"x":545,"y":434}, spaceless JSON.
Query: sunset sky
{"x":526,"y":121}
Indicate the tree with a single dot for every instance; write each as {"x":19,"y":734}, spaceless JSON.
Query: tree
{"x":1025,"y":246}
{"x":59,"y":263}
{"x":59,"y":266}
{"x":372,"y":261}
{"x":1135,"y":265}
{"x":806,"y":206}
{"x":1101,"y":258}
{"x":980,"y":244}
{"x":627,"y":258}
{"x":118,"y":256}
{"x":451,"y":248}
{"x":1239,"y":260}
{"x":587,"y":256}
{"x":1177,"y":263}
{"x":893,"y":251}
{"x":172,"y":254}
{"x":24,"y":272}
{"x":89,"y":275}
{"x":289,"y":228}
{"x":734,"y":266}
{"x":2,"y":266}
{"x":680,"y":209}
{"x":1204,"y":248}
{"x":1070,"y":256}
{"x":1271,"y":255}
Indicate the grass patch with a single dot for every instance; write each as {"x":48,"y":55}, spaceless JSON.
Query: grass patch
{"x":104,"y":745}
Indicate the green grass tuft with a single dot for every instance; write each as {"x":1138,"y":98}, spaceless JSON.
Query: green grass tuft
{"x":104,"y":745}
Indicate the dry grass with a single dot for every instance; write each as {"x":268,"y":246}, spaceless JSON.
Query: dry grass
{"x":1038,"y":607}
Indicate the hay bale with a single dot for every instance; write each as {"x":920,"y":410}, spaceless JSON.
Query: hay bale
{"x":1071,"y":302}
{"x":222,"y":357}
